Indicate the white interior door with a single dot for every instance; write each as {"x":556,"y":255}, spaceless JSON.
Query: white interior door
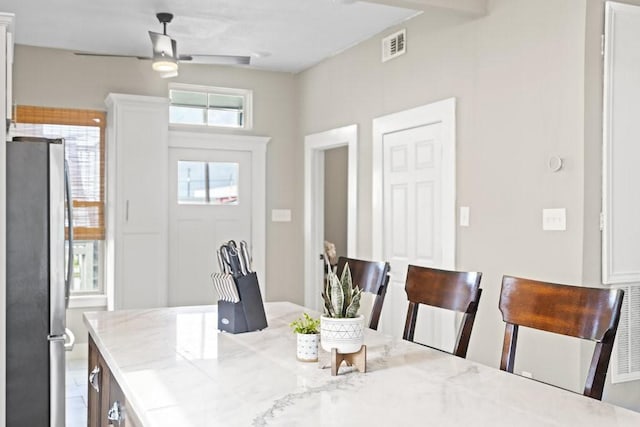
{"x":413,"y":218}
{"x":417,"y":177}
{"x":210,"y":198}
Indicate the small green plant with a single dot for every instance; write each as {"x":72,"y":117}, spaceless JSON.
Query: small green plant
{"x":341,"y":298}
{"x":305,"y":325}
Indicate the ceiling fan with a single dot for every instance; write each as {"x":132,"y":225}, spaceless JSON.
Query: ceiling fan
{"x":165,"y":53}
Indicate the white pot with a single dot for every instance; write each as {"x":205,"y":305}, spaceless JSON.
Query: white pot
{"x":307,"y":347}
{"x":345,"y":335}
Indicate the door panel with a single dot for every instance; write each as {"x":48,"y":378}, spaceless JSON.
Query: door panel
{"x":412,"y":223}
{"x":140,"y":160}
{"x":196,"y":228}
{"x":399,"y":222}
{"x":425,"y":229}
{"x":117,"y":405}
{"x":140,"y":252}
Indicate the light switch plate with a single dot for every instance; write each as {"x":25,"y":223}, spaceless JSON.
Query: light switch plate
{"x":281,"y":215}
{"x":554,"y":219}
{"x":464,"y":216}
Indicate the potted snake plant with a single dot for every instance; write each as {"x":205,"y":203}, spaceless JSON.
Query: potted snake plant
{"x":341,"y":327}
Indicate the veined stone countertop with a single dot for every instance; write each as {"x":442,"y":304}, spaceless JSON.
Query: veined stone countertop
{"x":176,"y":369}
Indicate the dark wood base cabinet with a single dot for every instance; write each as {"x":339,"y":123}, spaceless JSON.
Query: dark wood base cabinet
{"x":107,"y":405}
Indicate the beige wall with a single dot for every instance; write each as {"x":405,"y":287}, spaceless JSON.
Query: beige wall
{"x":518,"y":77}
{"x":335,"y":202}
{"x":56,"y":78}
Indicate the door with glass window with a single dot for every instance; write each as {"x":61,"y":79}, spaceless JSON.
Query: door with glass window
{"x":210,"y":203}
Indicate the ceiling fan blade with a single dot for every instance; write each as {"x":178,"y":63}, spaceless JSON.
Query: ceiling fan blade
{"x":109,"y":55}
{"x":162,"y":44}
{"x":216,"y":59}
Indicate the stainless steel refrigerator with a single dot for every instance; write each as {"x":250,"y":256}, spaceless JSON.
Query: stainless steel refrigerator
{"x":38,"y":273}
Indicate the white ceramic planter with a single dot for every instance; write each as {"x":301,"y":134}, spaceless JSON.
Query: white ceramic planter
{"x":345,"y":335}
{"x":307,"y":347}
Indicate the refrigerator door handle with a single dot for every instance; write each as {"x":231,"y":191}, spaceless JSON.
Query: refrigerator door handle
{"x":67,"y":190}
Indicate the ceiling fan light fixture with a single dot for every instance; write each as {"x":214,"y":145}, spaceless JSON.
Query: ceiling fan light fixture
{"x":164,"y":65}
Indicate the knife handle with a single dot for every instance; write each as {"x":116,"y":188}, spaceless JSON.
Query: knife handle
{"x":234,"y":262}
{"x":244,"y":249}
{"x":220,"y":262}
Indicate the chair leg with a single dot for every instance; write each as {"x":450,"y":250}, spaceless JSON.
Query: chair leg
{"x":465,"y":335}
{"x":410,"y":324}
{"x":597,"y":375}
{"x":509,"y":347}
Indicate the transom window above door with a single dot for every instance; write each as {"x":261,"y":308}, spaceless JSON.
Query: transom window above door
{"x":193,"y":105}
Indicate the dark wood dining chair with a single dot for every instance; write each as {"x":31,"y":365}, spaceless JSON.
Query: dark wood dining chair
{"x":452,"y":290}
{"x":588,"y":313}
{"x":370,"y":276}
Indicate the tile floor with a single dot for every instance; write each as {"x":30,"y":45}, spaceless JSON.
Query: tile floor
{"x":76,"y":393}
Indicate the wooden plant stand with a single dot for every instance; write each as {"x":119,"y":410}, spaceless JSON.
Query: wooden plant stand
{"x":357,"y":359}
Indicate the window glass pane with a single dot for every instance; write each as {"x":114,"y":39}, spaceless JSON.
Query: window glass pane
{"x":187,"y":115}
{"x":226,"y":101}
{"x":210,"y":106}
{"x":224,"y":118}
{"x":86,"y":267}
{"x":213,"y":183}
{"x":182,"y":97}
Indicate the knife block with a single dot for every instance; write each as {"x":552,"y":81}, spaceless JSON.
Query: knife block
{"x":246,"y":315}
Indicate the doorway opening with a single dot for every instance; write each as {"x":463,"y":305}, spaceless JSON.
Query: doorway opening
{"x":319,"y":153}
{"x":336,"y":168}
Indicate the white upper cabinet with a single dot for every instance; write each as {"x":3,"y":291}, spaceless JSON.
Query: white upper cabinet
{"x":137,"y":211}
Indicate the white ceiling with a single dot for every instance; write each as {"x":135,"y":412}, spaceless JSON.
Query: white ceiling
{"x":280,"y":35}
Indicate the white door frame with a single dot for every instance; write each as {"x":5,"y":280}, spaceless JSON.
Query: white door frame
{"x":442,"y":111}
{"x":257,"y":145}
{"x":314,"y":148}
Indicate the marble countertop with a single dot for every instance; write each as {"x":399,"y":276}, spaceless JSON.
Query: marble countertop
{"x":176,"y":369}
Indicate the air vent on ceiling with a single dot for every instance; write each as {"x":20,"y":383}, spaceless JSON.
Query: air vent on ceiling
{"x":394,"y":45}
{"x":626,"y":354}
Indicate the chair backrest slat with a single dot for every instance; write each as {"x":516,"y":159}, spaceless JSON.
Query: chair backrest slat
{"x":371,"y":277}
{"x":452,"y":290}
{"x":576,"y":311}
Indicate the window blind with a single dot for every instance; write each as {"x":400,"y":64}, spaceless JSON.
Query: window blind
{"x":84,"y":134}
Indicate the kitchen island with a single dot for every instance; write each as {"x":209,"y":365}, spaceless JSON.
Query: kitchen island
{"x":174,"y":368}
